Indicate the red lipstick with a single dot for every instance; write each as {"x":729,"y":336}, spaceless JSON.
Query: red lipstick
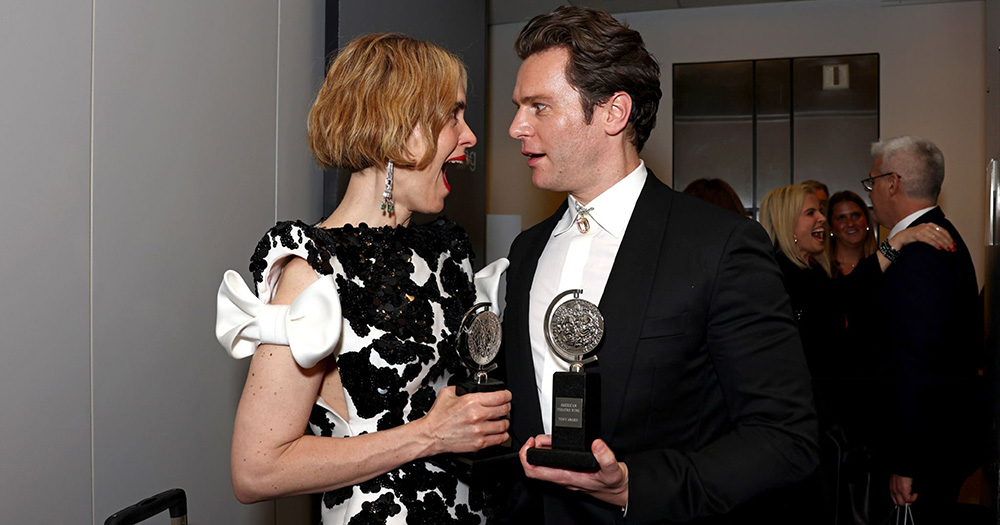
{"x":457,"y":159}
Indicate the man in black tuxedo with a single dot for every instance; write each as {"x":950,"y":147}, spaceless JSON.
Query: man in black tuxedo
{"x":929,"y":304}
{"x":706,"y":400}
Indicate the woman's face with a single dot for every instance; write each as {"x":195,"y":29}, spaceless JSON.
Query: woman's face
{"x":424,"y":191}
{"x":848,"y":223}
{"x":810,"y":232}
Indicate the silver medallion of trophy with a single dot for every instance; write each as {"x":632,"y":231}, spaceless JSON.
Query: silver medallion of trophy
{"x":573,"y":329}
{"x":477,"y":345}
{"x":479,"y":341}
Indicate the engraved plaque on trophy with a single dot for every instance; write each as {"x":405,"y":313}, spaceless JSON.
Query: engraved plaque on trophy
{"x":477,"y":345}
{"x":573,"y":329}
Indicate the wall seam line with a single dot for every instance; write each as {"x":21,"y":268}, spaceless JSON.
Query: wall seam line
{"x":93,"y":48}
{"x":277,"y":111}
{"x":277,"y":128}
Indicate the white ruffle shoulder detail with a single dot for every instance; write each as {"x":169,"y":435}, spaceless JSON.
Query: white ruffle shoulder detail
{"x":310,"y":326}
{"x":488,"y":283}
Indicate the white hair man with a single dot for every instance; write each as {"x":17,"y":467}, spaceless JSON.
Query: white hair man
{"x":930,"y":308}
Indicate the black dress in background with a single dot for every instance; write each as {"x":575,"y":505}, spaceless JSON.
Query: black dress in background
{"x":838,"y":326}
{"x":821,"y":325}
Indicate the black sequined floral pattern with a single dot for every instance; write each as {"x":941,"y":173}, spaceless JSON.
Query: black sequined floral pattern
{"x":403,"y":292}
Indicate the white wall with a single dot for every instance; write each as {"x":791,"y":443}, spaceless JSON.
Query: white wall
{"x":146,"y":146}
{"x":932,"y":61}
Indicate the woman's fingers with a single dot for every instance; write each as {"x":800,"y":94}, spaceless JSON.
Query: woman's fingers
{"x":472,"y":421}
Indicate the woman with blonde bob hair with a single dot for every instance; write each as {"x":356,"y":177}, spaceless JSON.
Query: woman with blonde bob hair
{"x":792,"y":218}
{"x":353,"y":328}
{"x":355,"y":128}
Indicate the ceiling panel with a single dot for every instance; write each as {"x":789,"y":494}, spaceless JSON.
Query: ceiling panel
{"x":509,"y":11}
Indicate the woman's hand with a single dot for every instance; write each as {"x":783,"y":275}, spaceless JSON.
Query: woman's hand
{"x":928,"y":233}
{"x":466,"y":423}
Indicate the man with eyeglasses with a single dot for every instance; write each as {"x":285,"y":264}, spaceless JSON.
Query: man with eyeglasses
{"x":931,"y":339}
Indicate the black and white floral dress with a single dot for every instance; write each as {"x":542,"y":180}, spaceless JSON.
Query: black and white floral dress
{"x":403,"y":292}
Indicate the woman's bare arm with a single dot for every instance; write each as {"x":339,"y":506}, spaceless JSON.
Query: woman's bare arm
{"x":271,"y":457}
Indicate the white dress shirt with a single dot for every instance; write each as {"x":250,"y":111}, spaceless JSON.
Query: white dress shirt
{"x":576,"y":260}
{"x":905,"y":222}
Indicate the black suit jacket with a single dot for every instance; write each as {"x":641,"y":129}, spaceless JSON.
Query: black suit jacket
{"x":705,"y":393}
{"x":929,"y":302}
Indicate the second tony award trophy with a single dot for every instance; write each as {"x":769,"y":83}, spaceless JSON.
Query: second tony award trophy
{"x":573,"y":330}
{"x":477,"y":345}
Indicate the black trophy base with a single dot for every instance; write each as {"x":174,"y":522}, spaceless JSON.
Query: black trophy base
{"x":576,"y":423}
{"x":564,"y":459}
{"x":484,"y":468}
{"x":471,"y":386}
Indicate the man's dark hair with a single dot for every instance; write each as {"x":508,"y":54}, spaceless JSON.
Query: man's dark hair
{"x":605,"y":56}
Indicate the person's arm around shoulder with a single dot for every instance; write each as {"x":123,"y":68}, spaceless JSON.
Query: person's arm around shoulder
{"x":271,"y":457}
{"x":927,"y":233}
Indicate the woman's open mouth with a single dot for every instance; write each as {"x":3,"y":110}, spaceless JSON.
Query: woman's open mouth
{"x":819,"y":234}
{"x":457,"y":160}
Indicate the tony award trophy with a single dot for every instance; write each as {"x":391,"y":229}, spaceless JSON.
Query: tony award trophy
{"x":477,"y":346}
{"x":478,"y":343}
{"x":573,"y":329}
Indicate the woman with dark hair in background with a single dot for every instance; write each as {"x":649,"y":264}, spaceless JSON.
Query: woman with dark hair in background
{"x":718,"y":192}
{"x":380,"y":301}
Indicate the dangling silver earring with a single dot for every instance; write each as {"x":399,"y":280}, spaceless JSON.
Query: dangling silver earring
{"x":387,"y":205}
{"x":868,"y":228}
{"x":795,"y":239}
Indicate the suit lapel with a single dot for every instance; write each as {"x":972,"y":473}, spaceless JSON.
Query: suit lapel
{"x":521,"y":369}
{"x":623,"y":306}
{"x":627,"y":295}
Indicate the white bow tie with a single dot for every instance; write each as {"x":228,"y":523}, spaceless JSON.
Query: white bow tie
{"x":310,"y":326}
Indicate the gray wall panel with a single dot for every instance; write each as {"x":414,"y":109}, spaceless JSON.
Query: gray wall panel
{"x":44,"y":310}
{"x":188,"y":100}
{"x":184,"y":150}
{"x":301,"y":64}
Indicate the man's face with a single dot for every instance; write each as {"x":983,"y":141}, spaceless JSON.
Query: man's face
{"x":562,"y":149}
{"x":823,"y":199}
{"x":878,"y":194}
